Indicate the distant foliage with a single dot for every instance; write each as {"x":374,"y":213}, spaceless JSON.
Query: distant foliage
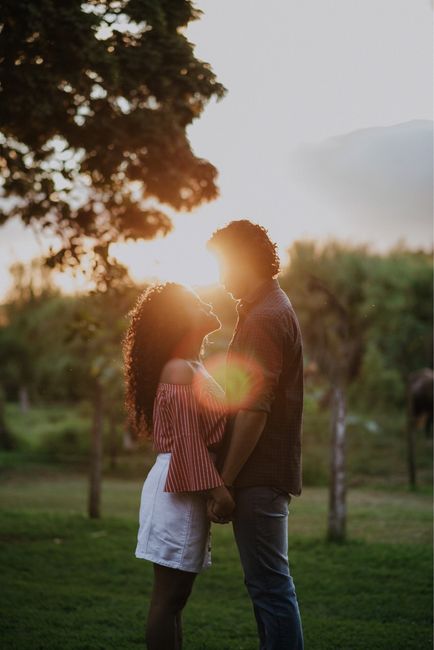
{"x":54,"y":347}
{"x":388,"y":303}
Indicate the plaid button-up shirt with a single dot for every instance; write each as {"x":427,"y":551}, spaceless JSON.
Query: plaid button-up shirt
{"x":267,"y":338}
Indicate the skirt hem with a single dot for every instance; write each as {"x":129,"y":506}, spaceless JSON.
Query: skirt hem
{"x":171,"y":565}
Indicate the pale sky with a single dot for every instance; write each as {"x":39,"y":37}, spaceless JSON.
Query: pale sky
{"x":303,"y":79}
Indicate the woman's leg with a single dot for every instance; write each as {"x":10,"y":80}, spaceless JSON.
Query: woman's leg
{"x":170,"y":593}
{"x":179,"y":630}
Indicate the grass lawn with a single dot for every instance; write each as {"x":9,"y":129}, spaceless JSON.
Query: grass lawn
{"x":73,"y":583}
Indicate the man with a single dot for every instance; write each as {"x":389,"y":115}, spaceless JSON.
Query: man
{"x":260,"y":460}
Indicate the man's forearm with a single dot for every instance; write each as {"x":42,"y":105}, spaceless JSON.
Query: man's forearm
{"x":247,"y":430}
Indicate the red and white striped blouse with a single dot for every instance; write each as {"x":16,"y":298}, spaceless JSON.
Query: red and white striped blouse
{"x":188,"y":418}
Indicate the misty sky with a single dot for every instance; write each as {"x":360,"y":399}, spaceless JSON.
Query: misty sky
{"x":319,"y":92}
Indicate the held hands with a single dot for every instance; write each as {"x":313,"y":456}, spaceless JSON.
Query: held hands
{"x":220,"y":505}
{"x":216,"y":514}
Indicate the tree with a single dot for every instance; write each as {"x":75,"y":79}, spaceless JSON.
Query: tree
{"x":32,"y":286}
{"x":33,"y":309}
{"x":327,"y":284}
{"x":94,"y":335}
{"x":366,"y":320}
{"x":96,"y":98}
{"x":83,"y":359}
{"x":7,"y":442}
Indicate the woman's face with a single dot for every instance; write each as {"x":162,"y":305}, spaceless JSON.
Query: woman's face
{"x":204,"y":320}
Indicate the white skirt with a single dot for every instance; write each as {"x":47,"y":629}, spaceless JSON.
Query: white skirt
{"x":173,"y":527}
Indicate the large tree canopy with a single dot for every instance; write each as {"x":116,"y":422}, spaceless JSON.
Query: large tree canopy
{"x":95,"y":99}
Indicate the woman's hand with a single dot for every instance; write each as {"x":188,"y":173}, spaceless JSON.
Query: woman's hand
{"x":216,"y":515}
{"x":220,"y":505}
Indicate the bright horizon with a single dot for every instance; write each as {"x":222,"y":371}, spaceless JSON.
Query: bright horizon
{"x":319,"y":136}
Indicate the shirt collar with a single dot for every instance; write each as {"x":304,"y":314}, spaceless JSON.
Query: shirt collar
{"x":245,"y":304}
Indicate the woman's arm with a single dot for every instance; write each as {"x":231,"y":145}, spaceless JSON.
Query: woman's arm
{"x":191,"y":467}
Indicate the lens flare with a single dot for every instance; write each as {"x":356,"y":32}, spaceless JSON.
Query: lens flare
{"x":241,"y":377}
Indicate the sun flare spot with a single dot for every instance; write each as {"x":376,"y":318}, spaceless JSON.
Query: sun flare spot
{"x":242,"y":379}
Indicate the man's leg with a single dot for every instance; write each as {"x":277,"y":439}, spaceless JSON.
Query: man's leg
{"x":261,"y":532}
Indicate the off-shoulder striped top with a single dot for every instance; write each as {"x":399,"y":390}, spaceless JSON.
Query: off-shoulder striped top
{"x":189,"y":418}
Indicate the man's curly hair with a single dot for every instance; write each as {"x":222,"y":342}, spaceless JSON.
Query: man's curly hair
{"x":253,"y":240}
{"x":158,"y":322}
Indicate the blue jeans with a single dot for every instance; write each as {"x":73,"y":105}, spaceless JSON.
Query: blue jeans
{"x":260,"y":526}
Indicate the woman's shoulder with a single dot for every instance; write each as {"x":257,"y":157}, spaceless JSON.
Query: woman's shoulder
{"x":180,"y":378}
{"x":177,"y":372}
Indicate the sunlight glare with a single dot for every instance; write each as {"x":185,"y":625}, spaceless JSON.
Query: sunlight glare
{"x":181,"y":256}
{"x":242,"y":377}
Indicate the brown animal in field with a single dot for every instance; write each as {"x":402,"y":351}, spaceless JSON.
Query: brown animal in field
{"x":420,"y":386}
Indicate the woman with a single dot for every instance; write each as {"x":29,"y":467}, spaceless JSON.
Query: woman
{"x":170,"y":395}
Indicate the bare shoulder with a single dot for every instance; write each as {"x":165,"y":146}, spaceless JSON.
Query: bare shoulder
{"x":177,"y":371}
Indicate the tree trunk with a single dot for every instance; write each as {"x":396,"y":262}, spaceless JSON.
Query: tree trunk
{"x":411,"y":452}
{"x":337,"y":496}
{"x":24,"y":399}
{"x":128,"y":439}
{"x":113,"y":446}
{"x":96,"y":454}
{"x":6,"y":441}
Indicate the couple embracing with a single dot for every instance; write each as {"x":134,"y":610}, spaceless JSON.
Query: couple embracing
{"x":219,"y":458}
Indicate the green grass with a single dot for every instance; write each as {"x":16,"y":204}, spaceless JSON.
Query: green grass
{"x":73,"y":583}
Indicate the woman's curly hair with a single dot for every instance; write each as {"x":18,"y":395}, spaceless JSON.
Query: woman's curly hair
{"x":158,"y":322}
{"x":251,"y":238}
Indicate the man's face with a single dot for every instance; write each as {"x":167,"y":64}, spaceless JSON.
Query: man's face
{"x":234,"y":276}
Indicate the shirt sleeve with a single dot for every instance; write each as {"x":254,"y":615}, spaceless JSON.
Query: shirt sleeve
{"x":191,"y":467}
{"x":262,"y":350}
